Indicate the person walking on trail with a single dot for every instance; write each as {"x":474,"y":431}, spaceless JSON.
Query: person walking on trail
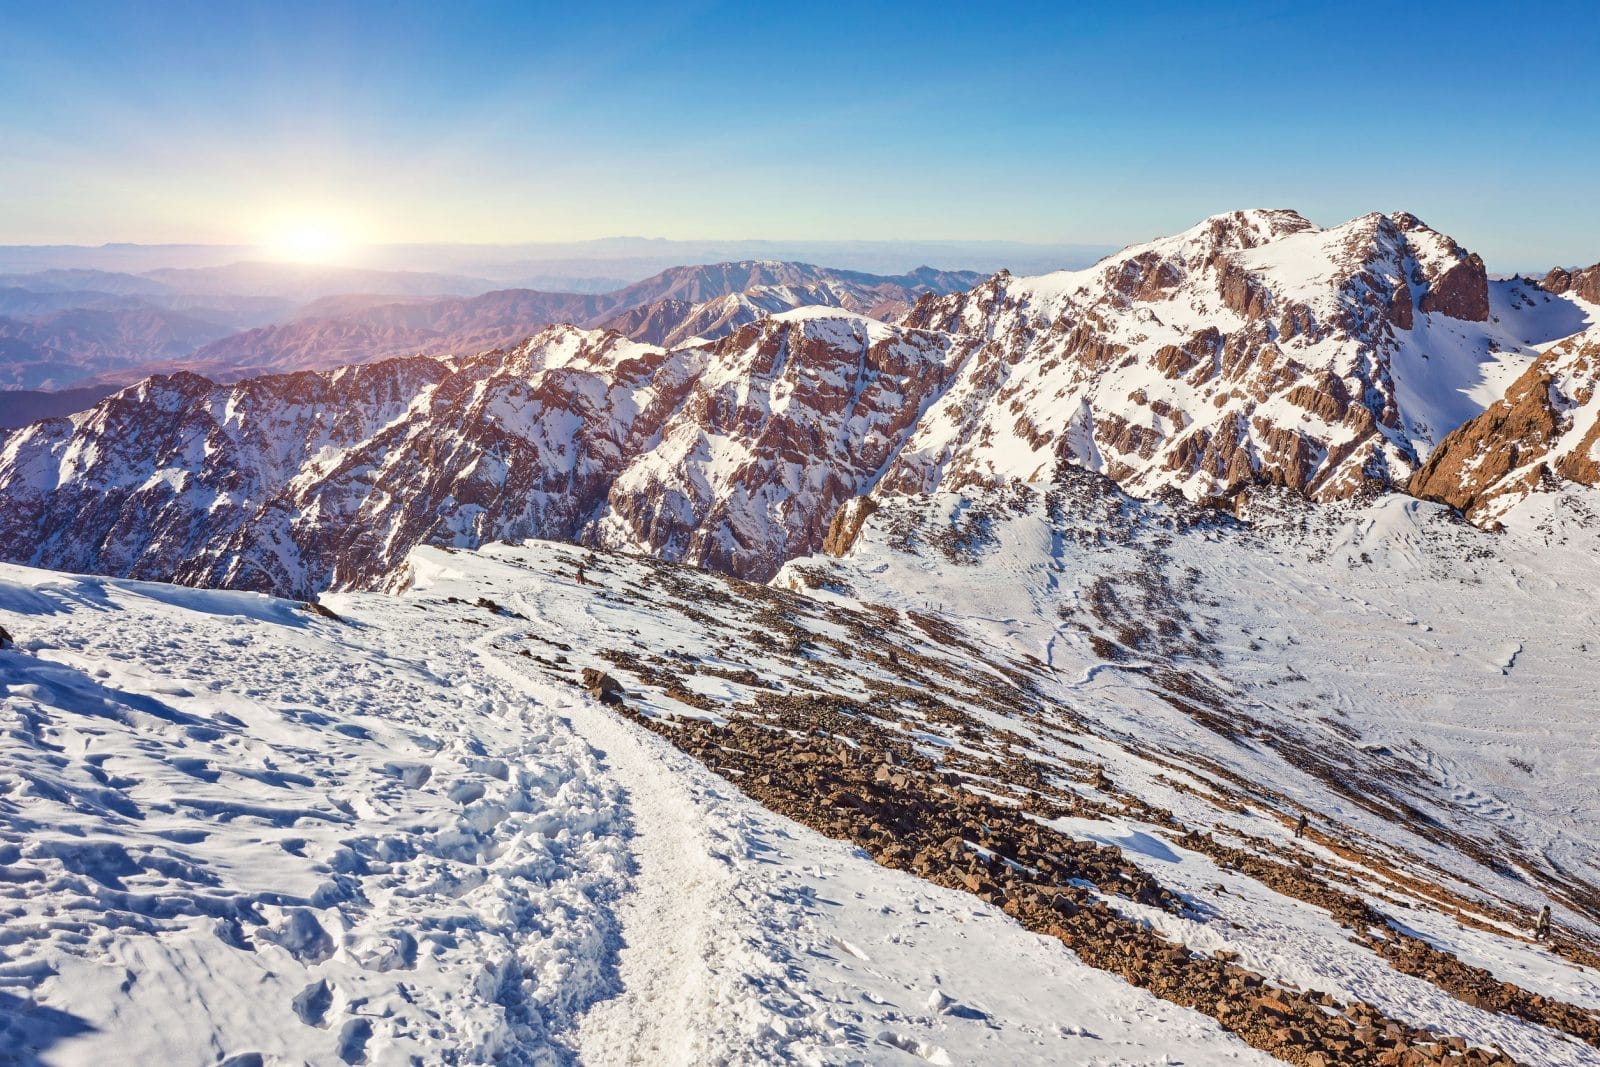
{"x":581,"y":580}
{"x":1541,"y":928}
{"x":1300,"y":827}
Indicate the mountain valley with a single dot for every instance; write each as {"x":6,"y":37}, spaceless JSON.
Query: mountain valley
{"x":1187,"y":658}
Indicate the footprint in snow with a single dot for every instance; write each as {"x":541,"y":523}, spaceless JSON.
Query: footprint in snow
{"x":921,"y":1049}
{"x":302,"y":936}
{"x":311,"y":1004}
{"x":353,"y":1038}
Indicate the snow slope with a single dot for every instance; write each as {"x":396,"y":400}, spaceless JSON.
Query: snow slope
{"x":236,"y":831}
{"x":1422,"y":684}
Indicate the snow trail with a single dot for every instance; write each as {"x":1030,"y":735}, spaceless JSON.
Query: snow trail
{"x":665,"y":965}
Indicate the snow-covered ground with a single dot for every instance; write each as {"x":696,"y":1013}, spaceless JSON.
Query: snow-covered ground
{"x":1426,"y":661}
{"x":232,"y":830}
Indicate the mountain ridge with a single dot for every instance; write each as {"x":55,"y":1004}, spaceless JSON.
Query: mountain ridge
{"x":1254,"y":348}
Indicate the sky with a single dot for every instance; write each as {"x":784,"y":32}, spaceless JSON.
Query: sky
{"x":242,"y":122}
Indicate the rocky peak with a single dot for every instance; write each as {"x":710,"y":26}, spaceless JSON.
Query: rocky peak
{"x":1453,"y":281}
{"x":1582,"y":283}
{"x":1253,"y":227}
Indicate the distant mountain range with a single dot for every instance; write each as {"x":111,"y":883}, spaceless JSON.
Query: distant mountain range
{"x":66,"y":328}
{"x":1253,"y":349}
{"x":709,"y":301}
{"x":69,"y":347}
{"x":579,"y":266}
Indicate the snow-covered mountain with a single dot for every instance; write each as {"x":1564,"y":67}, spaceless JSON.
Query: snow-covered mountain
{"x":1014,"y":779}
{"x":675,"y":320}
{"x":78,"y":327}
{"x":1254,"y":348}
{"x":733,"y":454}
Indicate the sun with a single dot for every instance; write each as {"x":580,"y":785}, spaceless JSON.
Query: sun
{"x":306,"y":242}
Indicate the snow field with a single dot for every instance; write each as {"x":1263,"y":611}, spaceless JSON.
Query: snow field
{"x":230,"y":831}
{"x":237,"y":832}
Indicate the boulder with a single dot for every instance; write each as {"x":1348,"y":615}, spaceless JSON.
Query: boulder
{"x":602,"y":686}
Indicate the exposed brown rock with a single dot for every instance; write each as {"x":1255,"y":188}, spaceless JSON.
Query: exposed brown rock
{"x":1462,"y":292}
{"x":1400,"y":306}
{"x":1242,"y":292}
{"x":1507,"y":451}
{"x":602,"y":686}
{"x":1145,"y":277}
{"x":1325,"y":396}
{"x":1583,"y":283}
{"x":845,"y":526}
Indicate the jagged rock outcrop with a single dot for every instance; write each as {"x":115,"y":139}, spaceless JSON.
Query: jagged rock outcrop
{"x":1546,"y":429}
{"x":1455,"y":282}
{"x":1583,"y":284}
{"x":846,"y":525}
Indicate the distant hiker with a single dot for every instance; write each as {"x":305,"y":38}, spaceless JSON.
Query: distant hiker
{"x":1300,"y":827}
{"x":1541,"y":928}
{"x":6,"y":640}
{"x":581,"y":580}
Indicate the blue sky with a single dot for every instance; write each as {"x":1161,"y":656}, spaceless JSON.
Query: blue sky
{"x":1051,"y":122}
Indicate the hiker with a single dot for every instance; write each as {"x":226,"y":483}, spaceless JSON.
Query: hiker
{"x":6,"y":640}
{"x":1300,"y":827}
{"x":580,"y":575}
{"x":1541,"y":928}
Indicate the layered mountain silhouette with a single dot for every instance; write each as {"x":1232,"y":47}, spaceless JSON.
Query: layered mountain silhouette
{"x":707,"y":300}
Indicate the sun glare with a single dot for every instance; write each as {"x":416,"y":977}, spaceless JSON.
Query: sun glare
{"x":306,"y":242}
